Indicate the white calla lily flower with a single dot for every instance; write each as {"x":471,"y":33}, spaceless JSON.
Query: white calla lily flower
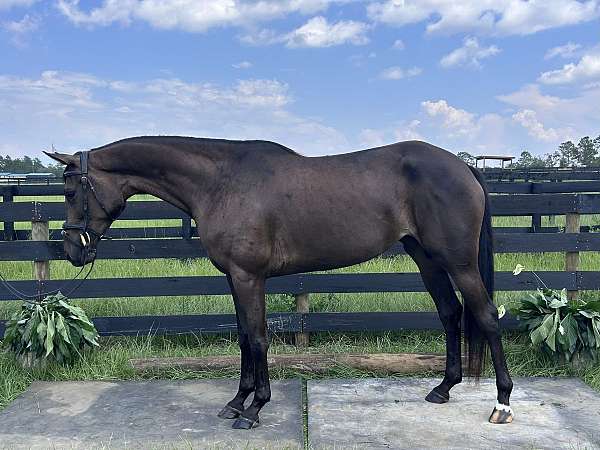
{"x":518,"y":269}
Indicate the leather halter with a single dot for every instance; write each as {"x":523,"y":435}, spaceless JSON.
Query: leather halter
{"x":87,"y":186}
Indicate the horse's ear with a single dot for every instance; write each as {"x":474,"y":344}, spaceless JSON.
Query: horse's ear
{"x":62,"y":158}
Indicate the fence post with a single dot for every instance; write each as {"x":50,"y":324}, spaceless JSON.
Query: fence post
{"x":536,"y":223}
{"x":186,"y":228}
{"x":572,"y":258}
{"x":40,"y":231}
{"x":302,"y":307}
{"x":9,"y":227}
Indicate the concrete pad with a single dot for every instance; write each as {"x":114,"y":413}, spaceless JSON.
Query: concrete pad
{"x":550,"y":413}
{"x":146,"y":415}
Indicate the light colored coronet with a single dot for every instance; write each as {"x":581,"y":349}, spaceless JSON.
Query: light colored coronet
{"x":505,"y":408}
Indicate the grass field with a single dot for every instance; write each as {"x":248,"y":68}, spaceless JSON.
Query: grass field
{"x":110,"y":362}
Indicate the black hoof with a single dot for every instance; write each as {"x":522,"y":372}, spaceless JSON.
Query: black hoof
{"x":229,"y":412}
{"x":241,"y":423}
{"x":502,"y":415}
{"x":437,"y":397}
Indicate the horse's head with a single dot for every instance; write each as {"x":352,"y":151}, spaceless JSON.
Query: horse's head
{"x":93,"y":201}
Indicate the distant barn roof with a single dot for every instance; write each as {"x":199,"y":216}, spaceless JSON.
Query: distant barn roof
{"x":498,"y":157}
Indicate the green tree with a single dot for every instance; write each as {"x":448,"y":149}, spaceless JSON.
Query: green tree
{"x":568,"y":154}
{"x":596,"y":144}
{"x":26,"y":164}
{"x":552,"y":159}
{"x":466,"y":157}
{"x":587,"y":152}
{"x":528,"y":160}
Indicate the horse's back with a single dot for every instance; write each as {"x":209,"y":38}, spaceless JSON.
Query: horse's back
{"x":315,"y":213}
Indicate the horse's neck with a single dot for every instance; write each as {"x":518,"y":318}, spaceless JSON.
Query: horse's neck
{"x":173,"y":175}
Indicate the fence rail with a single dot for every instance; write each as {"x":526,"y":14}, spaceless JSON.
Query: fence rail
{"x":192,"y":248}
{"x":525,"y":198}
{"x":490,"y":173}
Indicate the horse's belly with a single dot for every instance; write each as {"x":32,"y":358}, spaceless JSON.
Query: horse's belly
{"x":332,"y":245}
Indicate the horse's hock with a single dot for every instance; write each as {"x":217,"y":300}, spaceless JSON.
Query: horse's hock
{"x":551,"y":413}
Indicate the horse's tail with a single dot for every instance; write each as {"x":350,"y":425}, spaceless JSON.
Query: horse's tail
{"x":476,"y":344}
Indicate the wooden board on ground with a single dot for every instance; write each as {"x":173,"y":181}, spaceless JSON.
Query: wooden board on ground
{"x":313,"y":363}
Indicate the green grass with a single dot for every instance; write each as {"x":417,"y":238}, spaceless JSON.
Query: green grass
{"x":111,"y":361}
{"x":402,"y":301}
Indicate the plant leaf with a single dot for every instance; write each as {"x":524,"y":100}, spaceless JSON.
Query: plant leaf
{"x":50,"y":334}
{"x":541,"y":333}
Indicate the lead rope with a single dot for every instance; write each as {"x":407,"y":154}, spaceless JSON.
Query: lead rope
{"x":35,"y":299}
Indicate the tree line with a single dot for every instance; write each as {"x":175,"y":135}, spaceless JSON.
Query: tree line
{"x":585,"y":154}
{"x":26,"y":164}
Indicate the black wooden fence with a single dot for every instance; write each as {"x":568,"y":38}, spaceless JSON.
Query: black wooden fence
{"x":523,"y":198}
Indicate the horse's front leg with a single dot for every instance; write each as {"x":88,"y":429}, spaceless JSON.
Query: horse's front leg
{"x":249,"y":290}
{"x":236,"y":406}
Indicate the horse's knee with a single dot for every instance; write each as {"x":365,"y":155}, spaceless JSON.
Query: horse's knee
{"x":242,"y":340}
{"x":258,"y":345}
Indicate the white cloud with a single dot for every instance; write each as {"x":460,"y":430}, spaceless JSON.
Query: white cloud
{"x":189,"y":15}
{"x":110,"y":11}
{"x":456,"y":120}
{"x":317,"y":32}
{"x":495,"y":17}
{"x":242,"y":65}
{"x":408,"y":132}
{"x":564,"y":51}
{"x":528,"y":119}
{"x":530,"y":96}
{"x":370,"y":138}
{"x":265,"y":36}
{"x":451,"y":128}
{"x":592,"y":85}
{"x":21,"y":28}
{"x":361,"y":59}
{"x":398,"y":73}
{"x":7,"y":4}
{"x":469,"y":54}
{"x":399,"y":44}
{"x":402,"y":131}
{"x":587,"y":68}
{"x":531,"y":120}
{"x":562,"y":117}
{"x":457,"y":130}
{"x":78,"y":110}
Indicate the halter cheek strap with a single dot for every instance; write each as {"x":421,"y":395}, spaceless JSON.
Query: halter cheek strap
{"x":86,"y":184}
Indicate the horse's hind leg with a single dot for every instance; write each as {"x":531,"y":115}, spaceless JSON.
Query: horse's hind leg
{"x":440,"y":288}
{"x":469,"y":282}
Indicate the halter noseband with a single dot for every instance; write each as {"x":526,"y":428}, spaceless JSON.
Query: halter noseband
{"x":86,"y":184}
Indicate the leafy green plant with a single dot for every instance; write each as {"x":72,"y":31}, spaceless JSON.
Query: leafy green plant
{"x":51,"y":329}
{"x":561,"y":327}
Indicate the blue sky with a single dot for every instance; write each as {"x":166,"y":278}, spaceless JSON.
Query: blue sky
{"x":320,"y":76}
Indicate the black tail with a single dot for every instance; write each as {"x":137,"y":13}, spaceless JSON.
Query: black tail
{"x":476,"y":344}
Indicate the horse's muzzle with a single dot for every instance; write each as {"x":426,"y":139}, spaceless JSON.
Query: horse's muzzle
{"x":77,"y":253}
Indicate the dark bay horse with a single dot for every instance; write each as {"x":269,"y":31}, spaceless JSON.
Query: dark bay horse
{"x":263,"y":210}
